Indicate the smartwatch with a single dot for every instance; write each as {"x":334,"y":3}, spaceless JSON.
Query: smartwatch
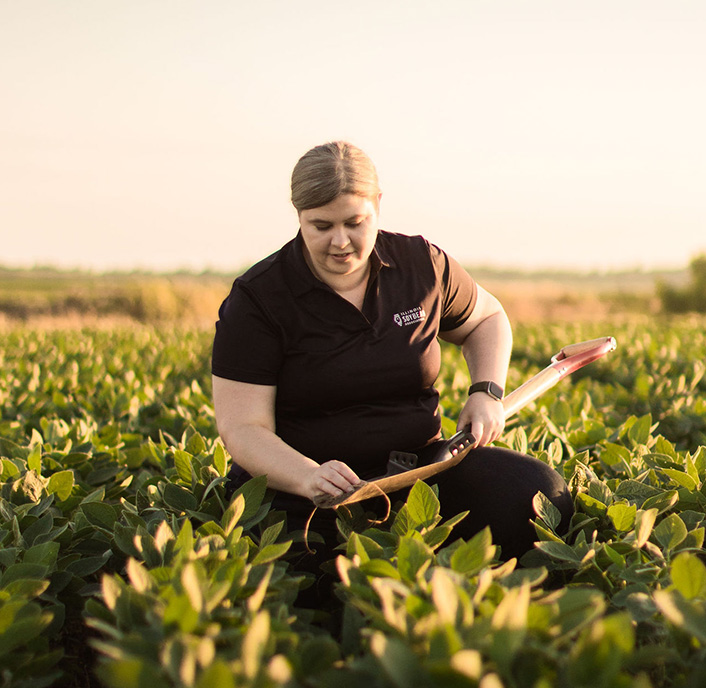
{"x":490,"y":388}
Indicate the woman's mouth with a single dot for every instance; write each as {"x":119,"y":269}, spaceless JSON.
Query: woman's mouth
{"x":341,"y":257}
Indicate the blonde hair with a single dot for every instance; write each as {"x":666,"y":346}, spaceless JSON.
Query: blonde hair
{"x":325,"y":172}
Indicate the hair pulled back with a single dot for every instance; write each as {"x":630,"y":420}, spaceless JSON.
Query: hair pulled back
{"x":325,"y":172}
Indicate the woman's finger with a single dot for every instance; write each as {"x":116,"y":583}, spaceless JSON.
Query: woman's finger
{"x":335,"y":477}
{"x":344,"y":470}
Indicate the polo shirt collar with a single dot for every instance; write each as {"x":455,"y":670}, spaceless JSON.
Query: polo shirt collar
{"x":305,"y":280}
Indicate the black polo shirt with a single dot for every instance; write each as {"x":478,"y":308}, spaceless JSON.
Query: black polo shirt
{"x":351,"y":385}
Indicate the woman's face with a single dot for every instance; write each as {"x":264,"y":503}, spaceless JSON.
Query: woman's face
{"x":339,"y":236}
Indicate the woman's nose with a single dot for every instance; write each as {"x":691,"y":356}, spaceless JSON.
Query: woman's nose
{"x":339,"y":237}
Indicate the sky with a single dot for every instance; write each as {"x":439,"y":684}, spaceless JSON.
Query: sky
{"x":161,"y":134}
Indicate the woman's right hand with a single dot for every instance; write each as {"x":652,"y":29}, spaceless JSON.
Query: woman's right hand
{"x":332,"y":478}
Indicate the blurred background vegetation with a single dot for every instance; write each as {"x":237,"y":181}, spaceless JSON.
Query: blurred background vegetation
{"x":49,"y":296}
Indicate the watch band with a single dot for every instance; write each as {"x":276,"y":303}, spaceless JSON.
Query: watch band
{"x":492,"y":389}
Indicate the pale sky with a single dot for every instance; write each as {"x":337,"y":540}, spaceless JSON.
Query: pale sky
{"x":161,"y":134}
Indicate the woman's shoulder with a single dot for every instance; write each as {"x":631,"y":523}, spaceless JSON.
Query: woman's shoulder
{"x":265,"y":269}
{"x":409,"y":247}
{"x":398,"y":245}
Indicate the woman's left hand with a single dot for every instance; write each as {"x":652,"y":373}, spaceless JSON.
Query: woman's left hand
{"x":485,"y":416}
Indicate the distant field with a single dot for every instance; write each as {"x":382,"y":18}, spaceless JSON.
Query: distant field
{"x":46,"y":296}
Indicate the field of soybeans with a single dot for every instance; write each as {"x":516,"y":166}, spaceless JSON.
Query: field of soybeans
{"x":123,"y":563}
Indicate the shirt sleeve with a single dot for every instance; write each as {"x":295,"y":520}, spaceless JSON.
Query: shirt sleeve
{"x":247,"y":346}
{"x":458,"y":290}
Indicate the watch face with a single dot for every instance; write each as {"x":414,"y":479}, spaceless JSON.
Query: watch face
{"x":495,"y":390}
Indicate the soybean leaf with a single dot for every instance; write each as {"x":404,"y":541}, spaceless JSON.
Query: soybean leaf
{"x":470,"y":557}
{"x":99,"y":514}
{"x":179,"y":498}
{"x":689,"y":575}
{"x":622,"y":516}
{"x":254,"y":492}
{"x":422,"y":506}
{"x":681,"y":478}
{"x":182,"y":462}
{"x":271,"y":552}
{"x":644,"y":523}
{"x":413,"y":557}
{"x":670,"y":532}
{"x":544,"y":508}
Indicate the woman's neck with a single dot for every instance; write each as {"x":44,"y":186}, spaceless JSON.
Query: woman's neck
{"x":351,"y":287}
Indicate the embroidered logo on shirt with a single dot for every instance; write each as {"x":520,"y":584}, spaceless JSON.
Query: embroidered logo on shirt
{"x":410,"y":317}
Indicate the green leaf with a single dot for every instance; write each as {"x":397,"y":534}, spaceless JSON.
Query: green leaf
{"x":38,"y":529}
{"x":179,"y":498}
{"x":379,"y":568}
{"x":34,"y":460}
{"x":23,"y":631}
{"x":444,"y":595}
{"x":680,"y":477}
{"x":271,"y":552}
{"x":219,"y":459}
{"x":413,"y":557}
{"x":137,"y":673}
{"x":22,"y":571}
{"x":85,"y":566}
{"x":682,"y":613}
{"x":182,"y":462}
{"x":254,"y":492}
{"x":640,"y":430}
{"x":398,"y":661}
{"x":44,"y":554}
{"x":662,"y":502}
{"x":318,"y":654}
{"x":578,"y":607}
{"x":422,"y":506}
{"x":192,"y":586}
{"x":670,"y":532}
{"x":138,"y":575}
{"x":544,"y":508}
{"x":196,"y":444}
{"x":254,"y":644}
{"x":217,"y":675}
{"x":124,"y":538}
{"x":470,"y":557}
{"x":597,"y":656}
{"x":644,"y":523}
{"x":591,"y":505}
{"x":111,"y":588}
{"x":233,"y":514}
{"x":271,"y":533}
{"x":99,"y":514}
{"x":689,"y":575}
{"x":185,"y":538}
{"x":622,"y":516}
{"x":9,"y":470}
{"x":692,"y":470}
{"x":561,"y":551}
{"x":615,"y":454}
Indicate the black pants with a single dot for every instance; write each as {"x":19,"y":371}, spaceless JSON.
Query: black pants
{"x":495,"y":485}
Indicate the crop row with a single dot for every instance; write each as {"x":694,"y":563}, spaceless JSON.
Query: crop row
{"x":123,"y":563}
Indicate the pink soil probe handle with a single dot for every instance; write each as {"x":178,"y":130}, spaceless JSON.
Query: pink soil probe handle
{"x":567,"y":361}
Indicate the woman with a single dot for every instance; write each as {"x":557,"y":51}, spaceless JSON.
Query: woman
{"x":326,"y":353}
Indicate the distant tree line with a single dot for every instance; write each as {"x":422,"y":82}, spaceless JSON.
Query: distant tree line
{"x":688,"y":299}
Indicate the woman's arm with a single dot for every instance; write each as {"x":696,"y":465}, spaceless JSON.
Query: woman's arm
{"x":486,"y":341}
{"x":245,"y":415}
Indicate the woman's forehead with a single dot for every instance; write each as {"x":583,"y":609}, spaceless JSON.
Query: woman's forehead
{"x":345,"y":205}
